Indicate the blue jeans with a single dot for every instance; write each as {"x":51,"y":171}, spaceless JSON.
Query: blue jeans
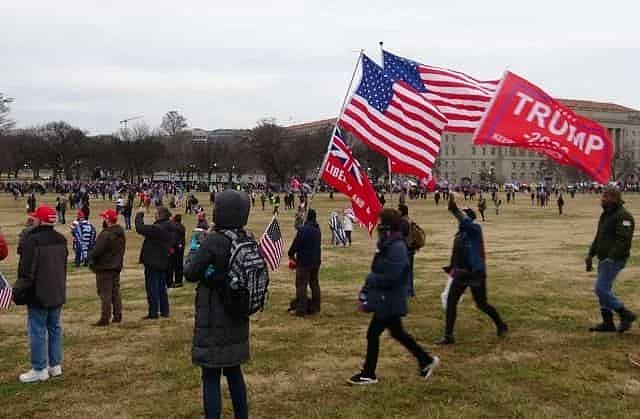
{"x":156,"y":287}
{"x":607,"y":272}
{"x":127,"y":222}
{"x":44,"y":327}
{"x":211,"y":392}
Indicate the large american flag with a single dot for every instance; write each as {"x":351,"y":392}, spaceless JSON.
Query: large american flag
{"x":5,"y":292}
{"x":394,"y":119}
{"x":271,"y":244}
{"x":460,"y":97}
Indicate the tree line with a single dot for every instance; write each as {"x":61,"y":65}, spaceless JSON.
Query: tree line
{"x":137,"y":152}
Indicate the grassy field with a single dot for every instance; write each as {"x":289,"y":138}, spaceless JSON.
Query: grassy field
{"x":548,"y":367}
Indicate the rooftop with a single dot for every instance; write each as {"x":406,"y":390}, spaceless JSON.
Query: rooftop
{"x":590,"y":104}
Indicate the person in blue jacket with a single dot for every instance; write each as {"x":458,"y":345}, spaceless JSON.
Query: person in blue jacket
{"x":385,"y":294}
{"x":468,"y":269}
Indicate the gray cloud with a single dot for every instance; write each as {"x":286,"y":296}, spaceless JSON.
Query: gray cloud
{"x":226,"y":65}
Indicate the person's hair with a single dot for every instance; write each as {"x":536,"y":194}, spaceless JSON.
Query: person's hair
{"x":163,"y":213}
{"x":404,"y":209}
{"x":390,"y":219}
{"x":614,"y":193}
{"x":177,"y":218}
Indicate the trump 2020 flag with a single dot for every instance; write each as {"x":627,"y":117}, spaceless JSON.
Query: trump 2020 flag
{"x":5,"y":293}
{"x":395,"y":120}
{"x":523,"y":115}
{"x":343,"y":172}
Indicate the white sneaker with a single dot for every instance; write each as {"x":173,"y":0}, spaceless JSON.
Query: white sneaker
{"x":32,"y":376}
{"x":55,"y":371}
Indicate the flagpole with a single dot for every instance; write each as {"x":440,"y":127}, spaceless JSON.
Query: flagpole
{"x":333,"y":132}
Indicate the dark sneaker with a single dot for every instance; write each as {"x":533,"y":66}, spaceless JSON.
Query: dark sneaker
{"x":101,"y":323}
{"x":603,"y":327}
{"x":149,"y":318}
{"x":362,"y":379}
{"x":117,"y":320}
{"x":427,"y":371}
{"x":503,"y":330}
{"x":446,"y":340}
{"x":177,"y":285}
{"x":626,"y":319}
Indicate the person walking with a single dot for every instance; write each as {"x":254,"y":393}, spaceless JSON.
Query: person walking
{"x":106,"y":261}
{"x":405,"y":229}
{"x":41,"y":286}
{"x":177,"y":256}
{"x":612,"y":246}
{"x":482,"y":207}
{"x":61,"y":209}
{"x":4,"y":249}
{"x":31,"y":203}
{"x":154,"y":255}
{"x":385,"y":294}
{"x":220,"y":341}
{"x":560,"y":204}
{"x":468,"y":270}
{"x":305,"y":253}
{"x":263,"y":199}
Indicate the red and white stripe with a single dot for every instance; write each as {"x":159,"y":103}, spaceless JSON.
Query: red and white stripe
{"x":272,"y":249}
{"x":408,"y":132}
{"x":5,"y":293}
{"x":461,"y":98}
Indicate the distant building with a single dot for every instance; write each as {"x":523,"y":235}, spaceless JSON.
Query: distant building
{"x":459,"y":159}
{"x":199,"y":135}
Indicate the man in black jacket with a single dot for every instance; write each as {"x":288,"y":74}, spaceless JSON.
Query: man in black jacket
{"x":177,"y":253}
{"x":158,"y":240}
{"x":41,"y":286}
{"x":612,"y":246}
{"x":305,"y":252}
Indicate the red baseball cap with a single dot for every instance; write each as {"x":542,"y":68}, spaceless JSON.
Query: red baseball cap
{"x":110,"y":215}
{"x":45,"y":214}
{"x":80,"y":214}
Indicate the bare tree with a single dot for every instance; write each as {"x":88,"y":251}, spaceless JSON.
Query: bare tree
{"x":173,"y":122}
{"x":6,"y":123}
{"x":139,"y":132}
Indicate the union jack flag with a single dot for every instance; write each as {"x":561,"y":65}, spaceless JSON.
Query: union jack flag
{"x":342,"y":152}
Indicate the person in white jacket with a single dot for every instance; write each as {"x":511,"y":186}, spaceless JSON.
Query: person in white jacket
{"x":347,"y":225}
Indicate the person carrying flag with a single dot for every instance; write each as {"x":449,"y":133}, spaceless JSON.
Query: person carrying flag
{"x":468,"y":269}
{"x":84,"y":238}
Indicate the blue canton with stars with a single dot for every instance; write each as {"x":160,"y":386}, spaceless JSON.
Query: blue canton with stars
{"x":375,"y":87}
{"x":400,"y":68}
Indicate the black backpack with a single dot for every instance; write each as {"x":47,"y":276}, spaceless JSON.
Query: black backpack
{"x":247,"y":280}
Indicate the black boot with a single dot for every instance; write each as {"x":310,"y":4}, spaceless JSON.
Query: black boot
{"x":626,"y":318}
{"x":607,"y":324}
{"x":446,"y":340}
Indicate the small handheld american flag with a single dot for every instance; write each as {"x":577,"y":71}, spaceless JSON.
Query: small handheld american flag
{"x":5,"y":293}
{"x":271,"y":244}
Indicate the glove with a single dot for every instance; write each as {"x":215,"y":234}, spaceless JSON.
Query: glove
{"x":588,"y":264}
{"x":292,"y":264}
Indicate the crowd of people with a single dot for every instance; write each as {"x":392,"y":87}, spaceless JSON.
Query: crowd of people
{"x":221,"y":339}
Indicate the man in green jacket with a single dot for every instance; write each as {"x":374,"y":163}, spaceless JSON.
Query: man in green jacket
{"x":612,"y":246}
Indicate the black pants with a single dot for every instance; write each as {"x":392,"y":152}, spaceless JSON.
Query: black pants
{"x":307,"y":277}
{"x":347,"y":234}
{"x":176,"y":262}
{"x":478,"y":287}
{"x":394,"y":324}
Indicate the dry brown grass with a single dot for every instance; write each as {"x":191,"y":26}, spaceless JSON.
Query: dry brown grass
{"x":548,"y":367}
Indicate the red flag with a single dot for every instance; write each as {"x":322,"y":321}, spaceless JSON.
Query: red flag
{"x":522,"y":115}
{"x":343,"y":172}
{"x":295,"y":184}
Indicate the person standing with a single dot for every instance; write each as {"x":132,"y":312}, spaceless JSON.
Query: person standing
{"x":61,"y":209}
{"x":405,"y":229}
{"x":468,"y":269}
{"x":177,"y":256}
{"x":84,"y":239}
{"x":31,"y":203}
{"x":4,"y":249}
{"x":154,"y":255}
{"x":305,"y":252}
{"x":436,"y":197}
{"x":385,"y":294}
{"x":127,"y":209}
{"x":220,"y":341}
{"x":612,"y":246}
{"x":263,"y":199}
{"x":41,"y":286}
{"x":347,"y":225}
{"x":106,"y":260}
{"x":276,"y":205}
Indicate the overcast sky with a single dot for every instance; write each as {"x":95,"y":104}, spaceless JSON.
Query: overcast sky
{"x":228,"y":64}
